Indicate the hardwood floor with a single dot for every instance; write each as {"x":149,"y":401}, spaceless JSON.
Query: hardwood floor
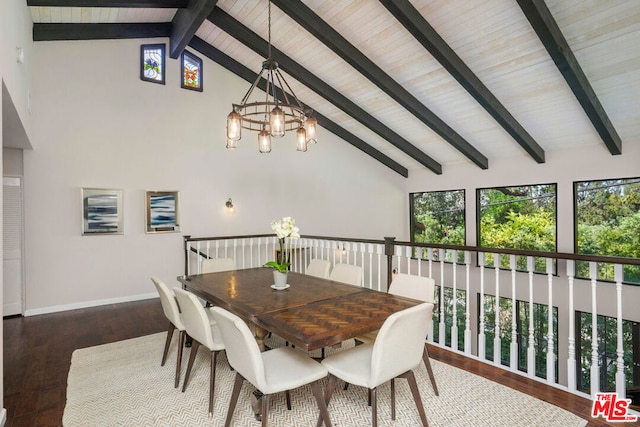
{"x":37,"y":356}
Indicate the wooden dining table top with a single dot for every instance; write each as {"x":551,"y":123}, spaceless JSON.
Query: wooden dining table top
{"x":312,"y":313}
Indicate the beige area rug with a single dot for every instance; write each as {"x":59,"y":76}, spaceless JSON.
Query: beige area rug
{"x":123,"y":384}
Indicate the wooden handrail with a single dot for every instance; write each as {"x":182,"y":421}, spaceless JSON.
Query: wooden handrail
{"x":520,"y":252}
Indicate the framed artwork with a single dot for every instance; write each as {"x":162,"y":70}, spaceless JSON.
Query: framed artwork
{"x":101,"y":211}
{"x":191,"y":71}
{"x":152,"y":63}
{"x":162,"y":211}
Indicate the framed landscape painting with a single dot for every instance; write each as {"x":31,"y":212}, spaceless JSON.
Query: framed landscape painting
{"x":101,"y":211}
{"x":162,"y":211}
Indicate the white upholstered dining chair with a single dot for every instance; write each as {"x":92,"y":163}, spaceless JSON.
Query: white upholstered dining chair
{"x":172,"y":313}
{"x":416,"y":287}
{"x":395,"y":353}
{"x":347,"y":273}
{"x":273,"y":371}
{"x":203,"y":330}
{"x":213,"y":265}
{"x":319,"y":268}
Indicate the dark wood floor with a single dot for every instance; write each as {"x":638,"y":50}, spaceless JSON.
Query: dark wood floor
{"x":37,"y":356}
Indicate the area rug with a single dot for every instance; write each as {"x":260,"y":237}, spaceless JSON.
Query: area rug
{"x":123,"y":384}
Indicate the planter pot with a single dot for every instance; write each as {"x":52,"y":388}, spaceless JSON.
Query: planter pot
{"x":279,"y":279}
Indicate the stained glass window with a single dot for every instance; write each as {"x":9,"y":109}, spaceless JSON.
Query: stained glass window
{"x":191,"y":72}
{"x":152,"y":63}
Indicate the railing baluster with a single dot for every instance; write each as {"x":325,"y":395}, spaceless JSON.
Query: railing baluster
{"x":551,"y":365}
{"x":482,"y":353}
{"x":571,"y":357}
{"x":467,"y":305}
{"x":419,"y":257}
{"x":199,"y":259}
{"x":497,"y":342}
{"x":408,"y":256}
{"x":454,"y":302}
{"x":362,"y":250}
{"x":430,"y":254}
{"x":595,"y":373}
{"x":620,"y":377}
{"x":380,"y":252}
{"x":441,"y":325}
{"x":531,"y":348}
{"x":243,"y":245}
{"x":513,"y":347}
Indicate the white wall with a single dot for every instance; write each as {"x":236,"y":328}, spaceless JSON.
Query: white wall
{"x":16,"y":32}
{"x":95,"y":124}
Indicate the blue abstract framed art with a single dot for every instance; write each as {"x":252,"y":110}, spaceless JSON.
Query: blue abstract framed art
{"x":162,"y":211}
{"x":101,"y":211}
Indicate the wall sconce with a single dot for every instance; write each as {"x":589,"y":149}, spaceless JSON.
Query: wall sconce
{"x":229,"y":205}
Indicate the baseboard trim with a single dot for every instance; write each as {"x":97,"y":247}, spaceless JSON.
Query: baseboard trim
{"x":3,"y":417}
{"x":87,"y":304}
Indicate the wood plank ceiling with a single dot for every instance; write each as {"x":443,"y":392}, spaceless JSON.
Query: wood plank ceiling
{"x":412,"y":83}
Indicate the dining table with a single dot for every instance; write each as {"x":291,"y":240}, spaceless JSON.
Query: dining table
{"x":311,"y":313}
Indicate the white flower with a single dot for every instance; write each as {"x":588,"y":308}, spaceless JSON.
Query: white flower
{"x":286,"y":227}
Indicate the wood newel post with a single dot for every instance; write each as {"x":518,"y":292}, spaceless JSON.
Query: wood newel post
{"x":389,"y":249}
{"x":186,"y":255}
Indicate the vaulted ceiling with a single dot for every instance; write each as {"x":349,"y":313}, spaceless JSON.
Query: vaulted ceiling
{"x":413,"y":83}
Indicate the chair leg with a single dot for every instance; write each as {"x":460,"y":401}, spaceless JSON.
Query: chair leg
{"x":413,"y":385}
{"x":181,"y":337}
{"x":322,"y":405}
{"x":393,"y":399}
{"x":327,"y":395}
{"x":427,"y":363}
{"x":212,"y":382}
{"x":167,"y":342}
{"x":288,"y":396}
{"x":374,"y":407}
{"x":194,"y":349}
{"x":265,"y":409}
{"x":237,"y":385}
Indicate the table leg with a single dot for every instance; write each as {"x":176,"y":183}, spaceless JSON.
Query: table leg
{"x":260,"y":334}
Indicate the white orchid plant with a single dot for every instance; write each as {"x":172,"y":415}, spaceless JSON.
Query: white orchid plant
{"x":285,"y":230}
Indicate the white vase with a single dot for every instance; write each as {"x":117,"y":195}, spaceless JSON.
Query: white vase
{"x":279,"y":279}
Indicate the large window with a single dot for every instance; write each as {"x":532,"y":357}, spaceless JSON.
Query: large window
{"x":517,"y":218}
{"x":607,"y":351}
{"x":438,"y":217}
{"x":607,"y":217}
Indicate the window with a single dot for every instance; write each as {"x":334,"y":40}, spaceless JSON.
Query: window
{"x":607,"y":217}
{"x":152,"y":63}
{"x":191,"y":71}
{"x":438,"y":217}
{"x":540,"y":332}
{"x":518,"y":218}
{"x":607,"y":347}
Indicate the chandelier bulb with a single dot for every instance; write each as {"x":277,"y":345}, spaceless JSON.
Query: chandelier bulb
{"x":276,"y":122}
{"x":301,"y":139}
{"x":231,"y":144}
{"x":310,"y":126}
{"x":264,"y":141}
{"x":234,"y":126}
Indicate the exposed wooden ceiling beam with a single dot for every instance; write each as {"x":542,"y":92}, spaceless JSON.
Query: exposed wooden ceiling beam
{"x":551,"y":36}
{"x":310,"y":21}
{"x":240,"y":70}
{"x":243,"y":34}
{"x":424,"y":33}
{"x":186,"y":22}
{"x":167,"y":4}
{"x":48,"y":32}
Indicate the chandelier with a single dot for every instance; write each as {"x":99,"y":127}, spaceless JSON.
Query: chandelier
{"x":270,"y":117}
